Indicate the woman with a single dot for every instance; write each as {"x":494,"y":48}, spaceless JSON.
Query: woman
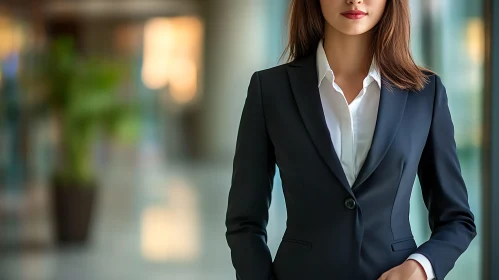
{"x":349,"y":121}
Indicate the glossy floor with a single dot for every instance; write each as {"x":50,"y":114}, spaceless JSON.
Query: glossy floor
{"x":153,"y":221}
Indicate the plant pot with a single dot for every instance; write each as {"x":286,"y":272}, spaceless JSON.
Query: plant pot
{"x":73,"y":207}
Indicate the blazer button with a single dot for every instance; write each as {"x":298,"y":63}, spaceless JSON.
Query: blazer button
{"x":350,"y":203}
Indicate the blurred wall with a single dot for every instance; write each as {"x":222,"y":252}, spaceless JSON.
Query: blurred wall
{"x":242,"y":37}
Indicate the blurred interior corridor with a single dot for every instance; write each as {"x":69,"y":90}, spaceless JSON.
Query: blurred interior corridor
{"x":154,"y":90}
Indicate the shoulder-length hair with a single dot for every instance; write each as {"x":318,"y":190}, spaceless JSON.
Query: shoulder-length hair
{"x":390,"y":41}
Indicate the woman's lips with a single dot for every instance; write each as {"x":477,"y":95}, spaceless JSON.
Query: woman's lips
{"x":354,"y":14}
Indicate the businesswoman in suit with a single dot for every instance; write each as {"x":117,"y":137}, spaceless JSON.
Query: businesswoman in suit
{"x":350,"y":122}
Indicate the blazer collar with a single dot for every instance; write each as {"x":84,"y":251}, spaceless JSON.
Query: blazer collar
{"x":390,"y":114}
{"x":303,"y":78}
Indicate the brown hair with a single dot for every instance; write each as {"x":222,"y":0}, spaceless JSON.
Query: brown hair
{"x":390,"y":44}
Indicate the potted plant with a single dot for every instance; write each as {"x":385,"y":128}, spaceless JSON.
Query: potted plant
{"x":82,"y":95}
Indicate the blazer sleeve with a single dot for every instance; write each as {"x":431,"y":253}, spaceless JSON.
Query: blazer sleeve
{"x":444,"y":191}
{"x":251,"y":191}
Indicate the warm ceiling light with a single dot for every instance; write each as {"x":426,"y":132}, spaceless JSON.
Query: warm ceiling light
{"x":475,"y":40}
{"x":157,"y":43}
{"x":183,"y":84}
{"x":172,"y":56}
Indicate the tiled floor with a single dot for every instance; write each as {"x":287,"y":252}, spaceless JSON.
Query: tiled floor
{"x":154,"y":220}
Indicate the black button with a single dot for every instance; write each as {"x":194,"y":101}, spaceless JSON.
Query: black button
{"x":350,"y":203}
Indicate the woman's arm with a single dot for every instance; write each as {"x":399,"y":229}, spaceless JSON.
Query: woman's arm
{"x":444,"y":191}
{"x":251,"y":191}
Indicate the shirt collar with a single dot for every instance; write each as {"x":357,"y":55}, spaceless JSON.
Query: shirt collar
{"x":323,"y":68}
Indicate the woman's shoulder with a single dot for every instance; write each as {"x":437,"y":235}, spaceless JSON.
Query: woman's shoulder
{"x":274,"y":71}
{"x":273,"y":77}
{"x":433,"y":80}
{"x":434,"y":90}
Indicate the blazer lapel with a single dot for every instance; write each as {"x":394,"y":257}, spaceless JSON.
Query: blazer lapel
{"x":390,"y":113}
{"x":303,"y":79}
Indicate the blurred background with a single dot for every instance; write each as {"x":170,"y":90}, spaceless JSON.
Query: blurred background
{"x":118,"y":121}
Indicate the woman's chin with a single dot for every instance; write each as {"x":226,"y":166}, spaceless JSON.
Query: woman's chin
{"x":353,"y":31}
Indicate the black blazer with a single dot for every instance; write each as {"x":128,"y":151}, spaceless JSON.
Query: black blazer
{"x":335,"y":231}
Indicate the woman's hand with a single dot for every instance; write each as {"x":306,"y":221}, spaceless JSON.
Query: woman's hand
{"x":409,"y":270}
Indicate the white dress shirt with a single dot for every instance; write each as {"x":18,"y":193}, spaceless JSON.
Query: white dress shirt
{"x":351,"y":126}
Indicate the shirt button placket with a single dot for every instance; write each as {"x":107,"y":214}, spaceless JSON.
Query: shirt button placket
{"x":347,"y":144}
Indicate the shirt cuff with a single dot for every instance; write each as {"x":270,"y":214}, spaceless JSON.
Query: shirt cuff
{"x":425,"y":263}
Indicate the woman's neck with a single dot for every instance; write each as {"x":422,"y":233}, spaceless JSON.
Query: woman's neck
{"x":346,"y":54}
